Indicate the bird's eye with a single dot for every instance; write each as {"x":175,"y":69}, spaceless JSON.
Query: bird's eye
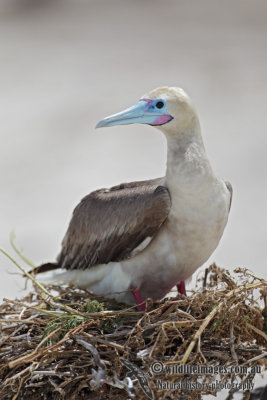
{"x":159,"y":104}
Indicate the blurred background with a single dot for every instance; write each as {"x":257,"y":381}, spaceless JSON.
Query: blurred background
{"x":67,"y":64}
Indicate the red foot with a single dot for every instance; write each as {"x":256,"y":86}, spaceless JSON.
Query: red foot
{"x":141,"y":305}
{"x":181,"y":288}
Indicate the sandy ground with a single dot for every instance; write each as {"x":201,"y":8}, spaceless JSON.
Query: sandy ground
{"x":67,"y":64}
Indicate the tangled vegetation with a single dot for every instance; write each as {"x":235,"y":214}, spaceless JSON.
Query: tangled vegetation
{"x":66,"y":343}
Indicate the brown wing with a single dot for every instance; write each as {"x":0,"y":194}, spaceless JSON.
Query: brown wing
{"x":109,"y":224}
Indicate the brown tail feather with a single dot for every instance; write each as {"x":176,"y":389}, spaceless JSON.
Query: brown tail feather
{"x":44,"y":268}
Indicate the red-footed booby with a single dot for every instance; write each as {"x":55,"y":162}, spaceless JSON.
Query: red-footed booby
{"x":138,"y":240}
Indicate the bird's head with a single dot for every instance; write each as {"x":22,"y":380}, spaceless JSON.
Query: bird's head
{"x":167,"y":108}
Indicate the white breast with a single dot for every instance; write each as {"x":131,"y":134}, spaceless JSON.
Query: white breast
{"x":196,"y":225}
{"x":186,"y":240}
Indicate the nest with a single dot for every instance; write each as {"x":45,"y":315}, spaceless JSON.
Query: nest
{"x":64,"y":343}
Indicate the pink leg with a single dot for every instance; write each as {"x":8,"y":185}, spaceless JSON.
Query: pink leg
{"x":181,"y":288}
{"x":141,"y":305}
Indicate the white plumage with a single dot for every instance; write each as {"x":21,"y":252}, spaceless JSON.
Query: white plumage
{"x":196,"y":204}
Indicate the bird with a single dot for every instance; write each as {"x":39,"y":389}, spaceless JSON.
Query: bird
{"x":138,"y":240}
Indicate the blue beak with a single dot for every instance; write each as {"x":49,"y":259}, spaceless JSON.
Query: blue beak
{"x":140,"y":113}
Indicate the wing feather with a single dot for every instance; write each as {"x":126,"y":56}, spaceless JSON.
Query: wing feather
{"x":230,"y":188}
{"x":109,"y":224}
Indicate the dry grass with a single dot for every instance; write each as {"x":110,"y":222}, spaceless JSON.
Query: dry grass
{"x":69,"y":345}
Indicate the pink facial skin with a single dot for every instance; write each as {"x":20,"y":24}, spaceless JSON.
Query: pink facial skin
{"x":149,"y":101}
{"x":161,"y":119}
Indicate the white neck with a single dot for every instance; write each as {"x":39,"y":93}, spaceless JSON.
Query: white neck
{"x":188,"y":169}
